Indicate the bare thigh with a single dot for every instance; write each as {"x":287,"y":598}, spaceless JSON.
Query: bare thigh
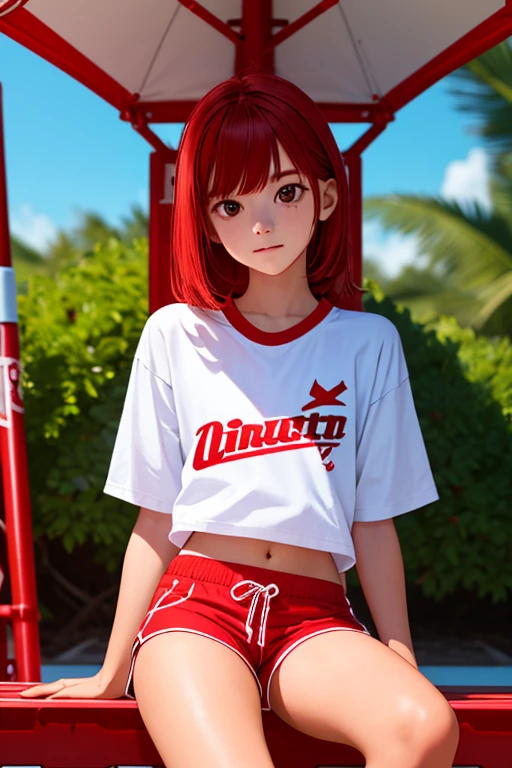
{"x":200,"y":703}
{"x":350,"y":688}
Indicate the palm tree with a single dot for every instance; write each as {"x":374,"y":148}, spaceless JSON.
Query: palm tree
{"x":69,"y":247}
{"x":487,"y":95}
{"x":469,"y":272}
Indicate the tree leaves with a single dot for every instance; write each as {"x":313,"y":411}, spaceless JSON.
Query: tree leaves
{"x":468,"y":249}
{"x":75,"y":377}
{"x":462,"y":387}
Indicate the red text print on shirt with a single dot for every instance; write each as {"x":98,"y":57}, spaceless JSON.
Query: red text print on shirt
{"x":218,"y":444}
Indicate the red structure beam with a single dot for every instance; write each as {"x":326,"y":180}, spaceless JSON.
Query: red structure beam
{"x":179,"y":111}
{"x":302,"y":21}
{"x":26,"y":29}
{"x":489,"y":33}
{"x":199,"y":10}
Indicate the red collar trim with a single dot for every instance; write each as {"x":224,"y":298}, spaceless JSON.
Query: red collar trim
{"x":273,"y":338}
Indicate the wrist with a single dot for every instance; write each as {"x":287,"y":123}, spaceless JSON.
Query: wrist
{"x":113,"y":676}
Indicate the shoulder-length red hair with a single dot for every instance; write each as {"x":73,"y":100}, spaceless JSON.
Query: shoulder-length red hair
{"x":227,"y":145}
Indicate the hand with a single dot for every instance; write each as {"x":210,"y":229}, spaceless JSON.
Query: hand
{"x":77,"y":688}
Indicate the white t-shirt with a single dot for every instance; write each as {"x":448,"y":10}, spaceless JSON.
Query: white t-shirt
{"x":285,"y":436}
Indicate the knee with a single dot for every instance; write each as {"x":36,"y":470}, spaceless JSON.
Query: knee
{"x":428,"y":726}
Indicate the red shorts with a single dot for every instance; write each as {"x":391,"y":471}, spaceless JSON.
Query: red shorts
{"x":259,"y":613}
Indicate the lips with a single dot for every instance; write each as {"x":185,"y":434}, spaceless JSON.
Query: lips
{"x":269,"y":248}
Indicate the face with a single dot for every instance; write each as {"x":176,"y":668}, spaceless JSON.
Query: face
{"x":269,"y":230}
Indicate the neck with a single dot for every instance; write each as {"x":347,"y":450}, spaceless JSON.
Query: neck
{"x":283,"y":295}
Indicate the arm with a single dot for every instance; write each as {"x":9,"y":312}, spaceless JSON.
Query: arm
{"x":380,"y":570}
{"x":147,"y":556}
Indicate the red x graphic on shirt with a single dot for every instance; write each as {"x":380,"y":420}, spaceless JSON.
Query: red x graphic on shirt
{"x":323,"y":396}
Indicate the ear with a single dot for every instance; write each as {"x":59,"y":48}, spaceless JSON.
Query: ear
{"x":328,"y":198}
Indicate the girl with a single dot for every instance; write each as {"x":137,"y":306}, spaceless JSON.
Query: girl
{"x":274,"y":435}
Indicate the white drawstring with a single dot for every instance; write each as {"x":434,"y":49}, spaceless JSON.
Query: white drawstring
{"x":256,"y":590}
{"x":158,"y":607}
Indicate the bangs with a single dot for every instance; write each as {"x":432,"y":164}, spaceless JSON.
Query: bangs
{"x":230,"y":146}
{"x":246,"y":151}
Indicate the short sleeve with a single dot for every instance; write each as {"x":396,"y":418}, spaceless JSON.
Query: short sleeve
{"x":393,"y":473}
{"x":146,"y":464}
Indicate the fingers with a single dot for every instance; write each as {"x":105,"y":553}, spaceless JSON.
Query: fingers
{"x":43,"y":690}
{"x":63,"y":692}
{"x":50,"y":689}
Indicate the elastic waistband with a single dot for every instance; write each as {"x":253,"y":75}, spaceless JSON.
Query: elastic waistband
{"x":227,"y":574}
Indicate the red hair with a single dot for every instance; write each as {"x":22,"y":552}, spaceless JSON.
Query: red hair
{"x":227,"y":145}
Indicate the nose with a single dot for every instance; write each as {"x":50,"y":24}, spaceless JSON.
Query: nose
{"x":263,"y":228}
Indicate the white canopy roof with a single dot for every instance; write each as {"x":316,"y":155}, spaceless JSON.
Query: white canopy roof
{"x":353,"y":54}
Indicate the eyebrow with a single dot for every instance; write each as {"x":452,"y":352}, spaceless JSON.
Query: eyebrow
{"x":275,"y":177}
{"x":288,"y":172}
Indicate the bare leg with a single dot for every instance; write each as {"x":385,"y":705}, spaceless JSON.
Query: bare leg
{"x":200,"y":703}
{"x":350,"y":688}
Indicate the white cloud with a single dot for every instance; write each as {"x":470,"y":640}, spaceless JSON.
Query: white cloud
{"x":467,"y":180}
{"x":35,"y":229}
{"x":464,"y":180}
{"x":392,"y":252}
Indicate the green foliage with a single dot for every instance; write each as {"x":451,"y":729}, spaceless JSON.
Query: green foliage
{"x":68,"y":246}
{"x":78,"y":333}
{"x":462,"y":388}
{"x":26,"y":262}
{"x":484,"y":92}
{"x":469,"y":270}
{"x":483,"y":360}
{"x":468,"y":248}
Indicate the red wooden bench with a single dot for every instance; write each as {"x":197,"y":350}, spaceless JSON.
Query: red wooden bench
{"x":98,"y":734}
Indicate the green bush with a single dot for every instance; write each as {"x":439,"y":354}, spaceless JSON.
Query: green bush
{"x":462,"y":388}
{"x":484,"y":361}
{"x":78,"y":336}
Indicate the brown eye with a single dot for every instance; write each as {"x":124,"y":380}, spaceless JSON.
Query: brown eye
{"x":227,"y":209}
{"x":291,"y":193}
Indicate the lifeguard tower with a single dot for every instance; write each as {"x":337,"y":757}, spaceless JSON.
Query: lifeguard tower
{"x":151,"y":61}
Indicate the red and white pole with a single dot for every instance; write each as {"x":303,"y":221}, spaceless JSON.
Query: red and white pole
{"x":23,"y":612}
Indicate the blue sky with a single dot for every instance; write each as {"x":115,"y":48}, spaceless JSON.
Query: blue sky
{"x":67,"y":150}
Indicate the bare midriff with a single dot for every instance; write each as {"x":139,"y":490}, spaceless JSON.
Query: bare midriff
{"x":264,"y":554}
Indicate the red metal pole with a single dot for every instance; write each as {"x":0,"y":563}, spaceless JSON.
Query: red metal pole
{"x":23,"y":612}
{"x":256,"y":51}
{"x":354,"y":164}
{"x":364,"y":141}
{"x":161,"y":198}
